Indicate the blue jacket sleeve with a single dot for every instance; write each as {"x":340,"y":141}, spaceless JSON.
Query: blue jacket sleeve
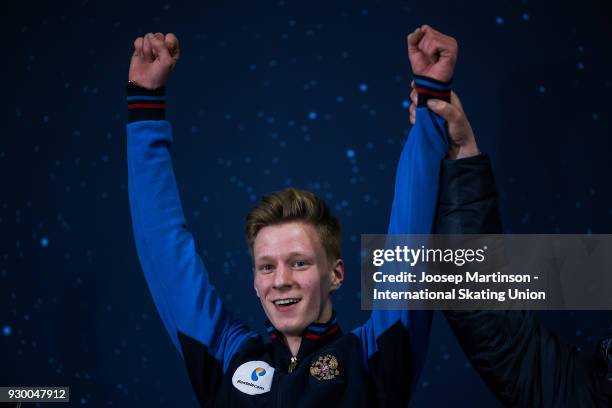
{"x":187,"y":302}
{"x":403,"y":334}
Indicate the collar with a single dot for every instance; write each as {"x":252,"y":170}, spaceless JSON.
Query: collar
{"x":320,"y":333}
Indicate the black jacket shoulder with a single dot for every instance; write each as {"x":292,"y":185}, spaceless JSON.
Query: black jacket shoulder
{"x":523,"y":363}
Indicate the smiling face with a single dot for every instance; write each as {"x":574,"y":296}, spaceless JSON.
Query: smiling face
{"x":293,"y":276}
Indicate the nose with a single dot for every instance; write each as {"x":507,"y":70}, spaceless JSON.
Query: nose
{"x":283,"y":278}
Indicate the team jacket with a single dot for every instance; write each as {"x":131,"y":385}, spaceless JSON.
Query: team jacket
{"x":375,"y":364}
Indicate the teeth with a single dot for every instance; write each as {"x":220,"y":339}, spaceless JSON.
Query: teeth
{"x":286,"y":301}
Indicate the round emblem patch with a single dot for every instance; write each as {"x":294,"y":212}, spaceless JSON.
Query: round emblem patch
{"x":253,"y":377}
{"x":325,"y":368}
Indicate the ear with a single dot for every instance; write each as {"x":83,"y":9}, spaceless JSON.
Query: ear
{"x":255,"y":287}
{"x":337,"y":274}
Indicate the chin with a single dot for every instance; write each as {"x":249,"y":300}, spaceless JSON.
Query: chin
{"x":295,"y":322}
{"x":290,"y":325}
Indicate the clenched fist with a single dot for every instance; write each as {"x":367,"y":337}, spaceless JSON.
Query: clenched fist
{"x":432,"y":54}
{"x":155,"y":55}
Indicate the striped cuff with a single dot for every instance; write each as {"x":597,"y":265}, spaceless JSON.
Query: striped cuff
{"x":145,"y":104}
{"x":429,"y":88}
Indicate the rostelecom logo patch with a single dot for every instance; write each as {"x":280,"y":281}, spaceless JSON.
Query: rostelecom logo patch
{"x":253,"y":377}
{"x":258,"y":372}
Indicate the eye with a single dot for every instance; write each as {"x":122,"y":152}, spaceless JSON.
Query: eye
{"x":265,"y":268}
{"x":299,"y":264}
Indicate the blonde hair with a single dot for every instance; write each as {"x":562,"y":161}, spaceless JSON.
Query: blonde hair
{"x":293,"y":204}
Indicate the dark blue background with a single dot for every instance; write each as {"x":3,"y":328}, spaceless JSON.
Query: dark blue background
{"x":269,"y":94}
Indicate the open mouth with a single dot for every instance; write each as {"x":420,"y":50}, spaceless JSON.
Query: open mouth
{"x":286,"y":304}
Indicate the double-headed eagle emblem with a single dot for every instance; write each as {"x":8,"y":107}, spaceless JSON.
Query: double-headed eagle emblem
{"x":325,"y":368}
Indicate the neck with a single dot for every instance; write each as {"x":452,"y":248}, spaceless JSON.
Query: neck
{"x":294,"y":342}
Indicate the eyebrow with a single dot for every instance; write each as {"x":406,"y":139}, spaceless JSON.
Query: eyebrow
{"x":290,"y":255}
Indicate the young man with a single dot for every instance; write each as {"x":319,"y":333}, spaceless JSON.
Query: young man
{"x":295,"y":245}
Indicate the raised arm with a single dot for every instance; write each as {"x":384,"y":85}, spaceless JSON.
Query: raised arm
{"x":523,"y":363}
{"x":190,"y":307}
{"x":395,"y":342}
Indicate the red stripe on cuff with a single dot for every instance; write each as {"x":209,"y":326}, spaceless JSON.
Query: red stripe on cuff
{"x":147,"y":105}
{"x":442,"y":94}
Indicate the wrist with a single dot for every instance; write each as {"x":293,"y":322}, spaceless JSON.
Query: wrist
{"x":470,"y":149}
{"x":429,"y":88}
{"x":145,"y":104}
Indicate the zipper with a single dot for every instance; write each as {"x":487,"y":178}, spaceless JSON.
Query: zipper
{"x":292,"y":363}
